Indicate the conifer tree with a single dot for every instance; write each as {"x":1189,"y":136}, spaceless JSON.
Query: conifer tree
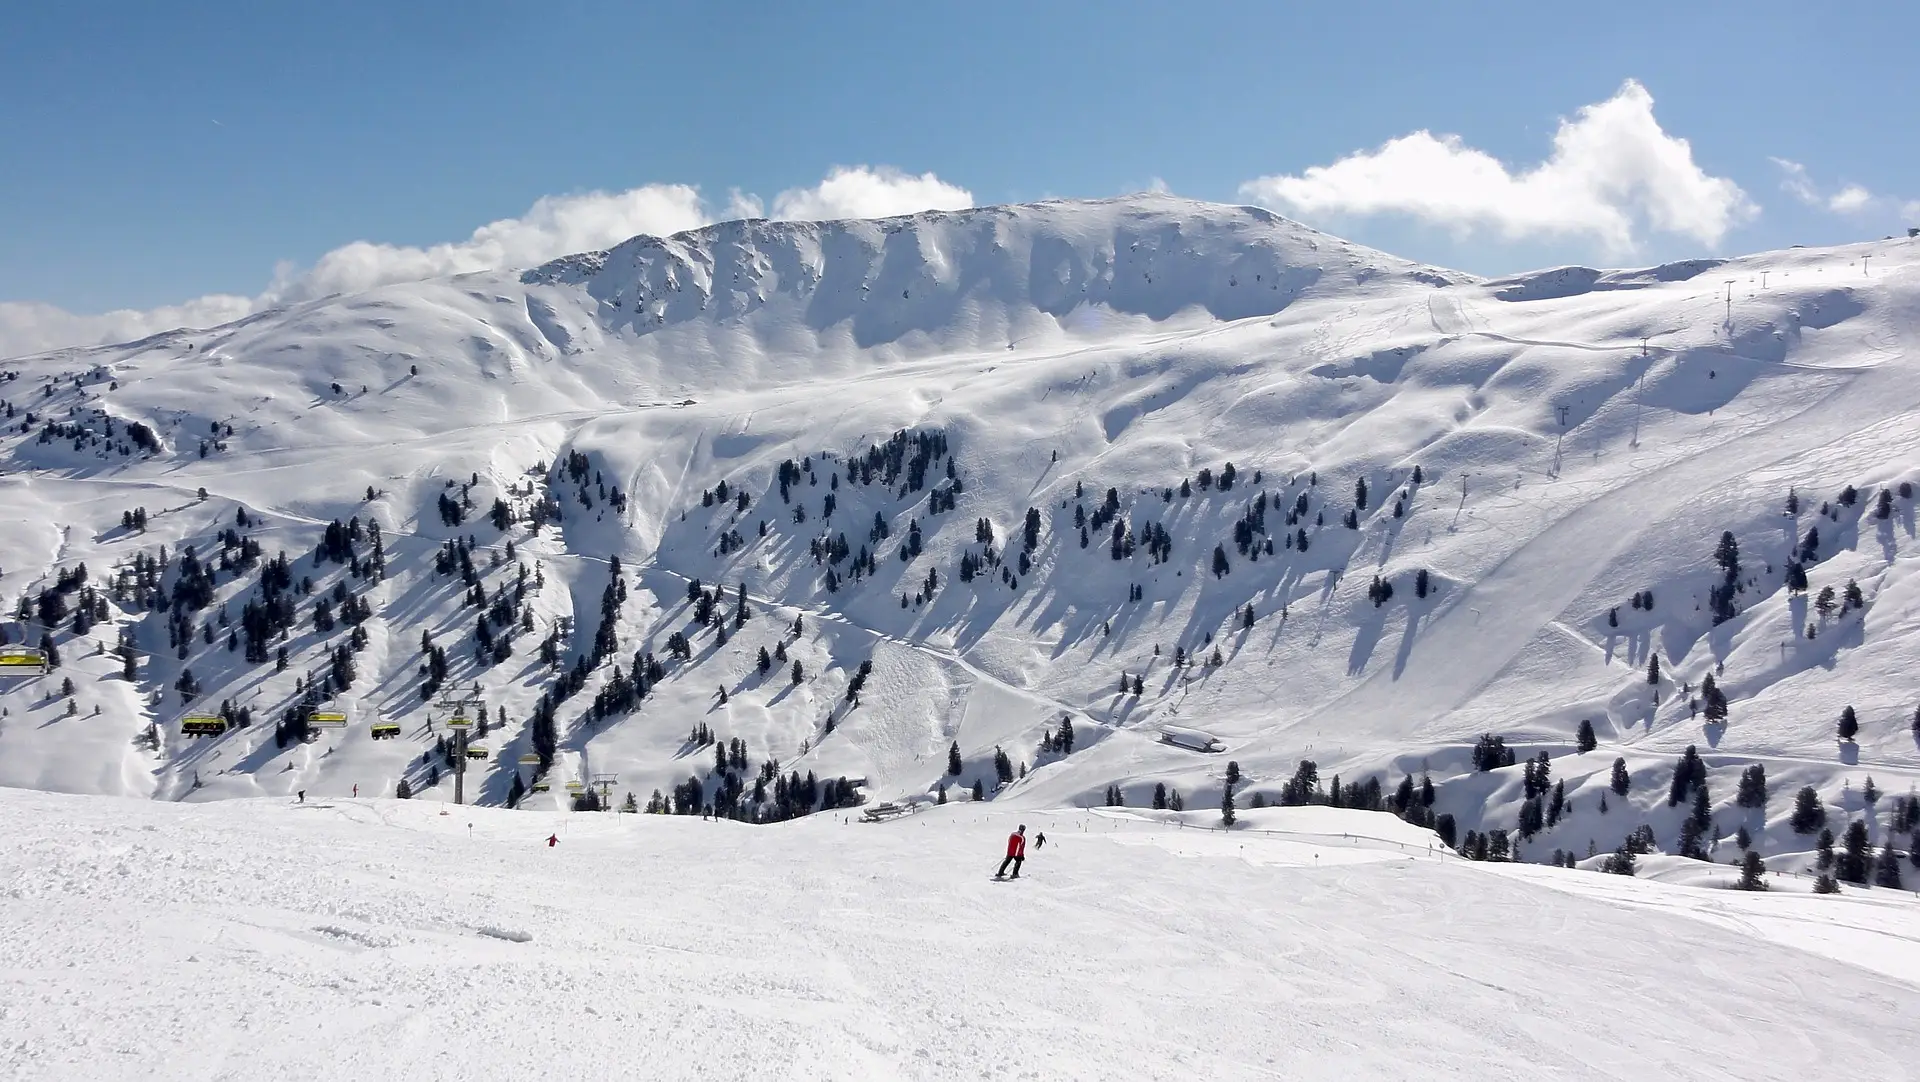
{"x":953,"y":759}
{"x":1227,"y":815}
{"x":1886,"y":867}
{"x":1701,"y":815}
{"x":1849,"y":723}
{"x":1403,"y":797}
{"x":1621,"y":862}
{"x":1585,"y":741}
{"x":1621,"y":780}
{"x":1851,"y":865}
{"x":1653,"y":668}
{"x":1753,"y":871}
{"x":1713,"y":701}
{"x":1809,"y":814}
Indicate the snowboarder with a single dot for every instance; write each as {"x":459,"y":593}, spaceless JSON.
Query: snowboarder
{"x":552,"y":840}
{"x":1016,"y":854}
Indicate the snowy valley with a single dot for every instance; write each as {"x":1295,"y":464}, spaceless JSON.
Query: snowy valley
{"x":1123,"y":517}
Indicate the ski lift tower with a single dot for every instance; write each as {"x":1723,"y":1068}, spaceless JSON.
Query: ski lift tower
{"x":605,"y":783}
{"x":456,"y":705}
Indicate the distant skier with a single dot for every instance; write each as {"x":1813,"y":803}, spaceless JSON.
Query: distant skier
{"x":1016,"y":854}
{"x":303,"y":796}
{"x":553,"y":840}
{"x":1040,"y":840}
{"x":356,"y":789}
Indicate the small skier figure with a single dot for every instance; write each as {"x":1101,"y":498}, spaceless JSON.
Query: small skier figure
{"x":552,"y":840}
{"x":1040,"y":840}
{"x":356,"y":789}
{"x":1016,"y":854}
{"x":303,"y":796}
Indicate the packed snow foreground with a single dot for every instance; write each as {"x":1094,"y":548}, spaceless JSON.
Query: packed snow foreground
{"x":1106,"y":516}
{"x":264,"y":939}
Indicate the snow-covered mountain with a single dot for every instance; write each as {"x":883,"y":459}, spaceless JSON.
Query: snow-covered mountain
{"x":852,"y":425}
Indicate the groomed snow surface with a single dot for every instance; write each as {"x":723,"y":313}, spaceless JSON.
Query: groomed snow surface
{"x":260,"y":939}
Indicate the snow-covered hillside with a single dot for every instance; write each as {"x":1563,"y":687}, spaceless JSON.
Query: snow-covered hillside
{"x":851,"y":430}
{"x":158,"y":941}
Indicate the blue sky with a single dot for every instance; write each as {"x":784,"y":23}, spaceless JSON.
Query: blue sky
{"x":157,"y":156}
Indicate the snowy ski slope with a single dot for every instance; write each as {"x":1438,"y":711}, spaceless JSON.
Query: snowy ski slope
{"x":1580,"y":435}
{"x":158,"y":941}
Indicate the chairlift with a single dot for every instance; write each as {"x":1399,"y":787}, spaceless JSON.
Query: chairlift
{"x":529,"y":758}
{"x":197,"y":725}
{"x":459,"y":721}
{"x":476,"y":751}
{"x":384,"y":730}
{"x":541,"y":787}
{"x":22,"y":661}
{"x":576,"y":787}
{"x":327,"y":718}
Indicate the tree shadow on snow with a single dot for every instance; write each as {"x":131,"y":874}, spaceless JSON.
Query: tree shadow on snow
{"x":1407,"y":635}
{"x":1365,"y":639}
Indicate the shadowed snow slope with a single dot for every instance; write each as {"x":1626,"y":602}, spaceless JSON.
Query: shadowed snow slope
{"x":722,"y":406}
{"x":346,"y":939}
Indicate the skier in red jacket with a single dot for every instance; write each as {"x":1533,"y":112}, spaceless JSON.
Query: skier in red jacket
{"x":1016,"y":853}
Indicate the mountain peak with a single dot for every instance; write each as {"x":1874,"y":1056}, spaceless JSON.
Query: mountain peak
{"x":1147,"y":254}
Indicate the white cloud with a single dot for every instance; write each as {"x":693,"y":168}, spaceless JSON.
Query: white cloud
{"x":554,"y":226}
{"x":1796,"y":183}
{"x":1614,"y":173}
{"x":1850,"y":199}
{"x":32,"y":326}
{"x":866,"y":192}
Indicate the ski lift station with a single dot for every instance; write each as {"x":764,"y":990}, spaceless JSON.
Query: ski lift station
{"x":1191,"y":739}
